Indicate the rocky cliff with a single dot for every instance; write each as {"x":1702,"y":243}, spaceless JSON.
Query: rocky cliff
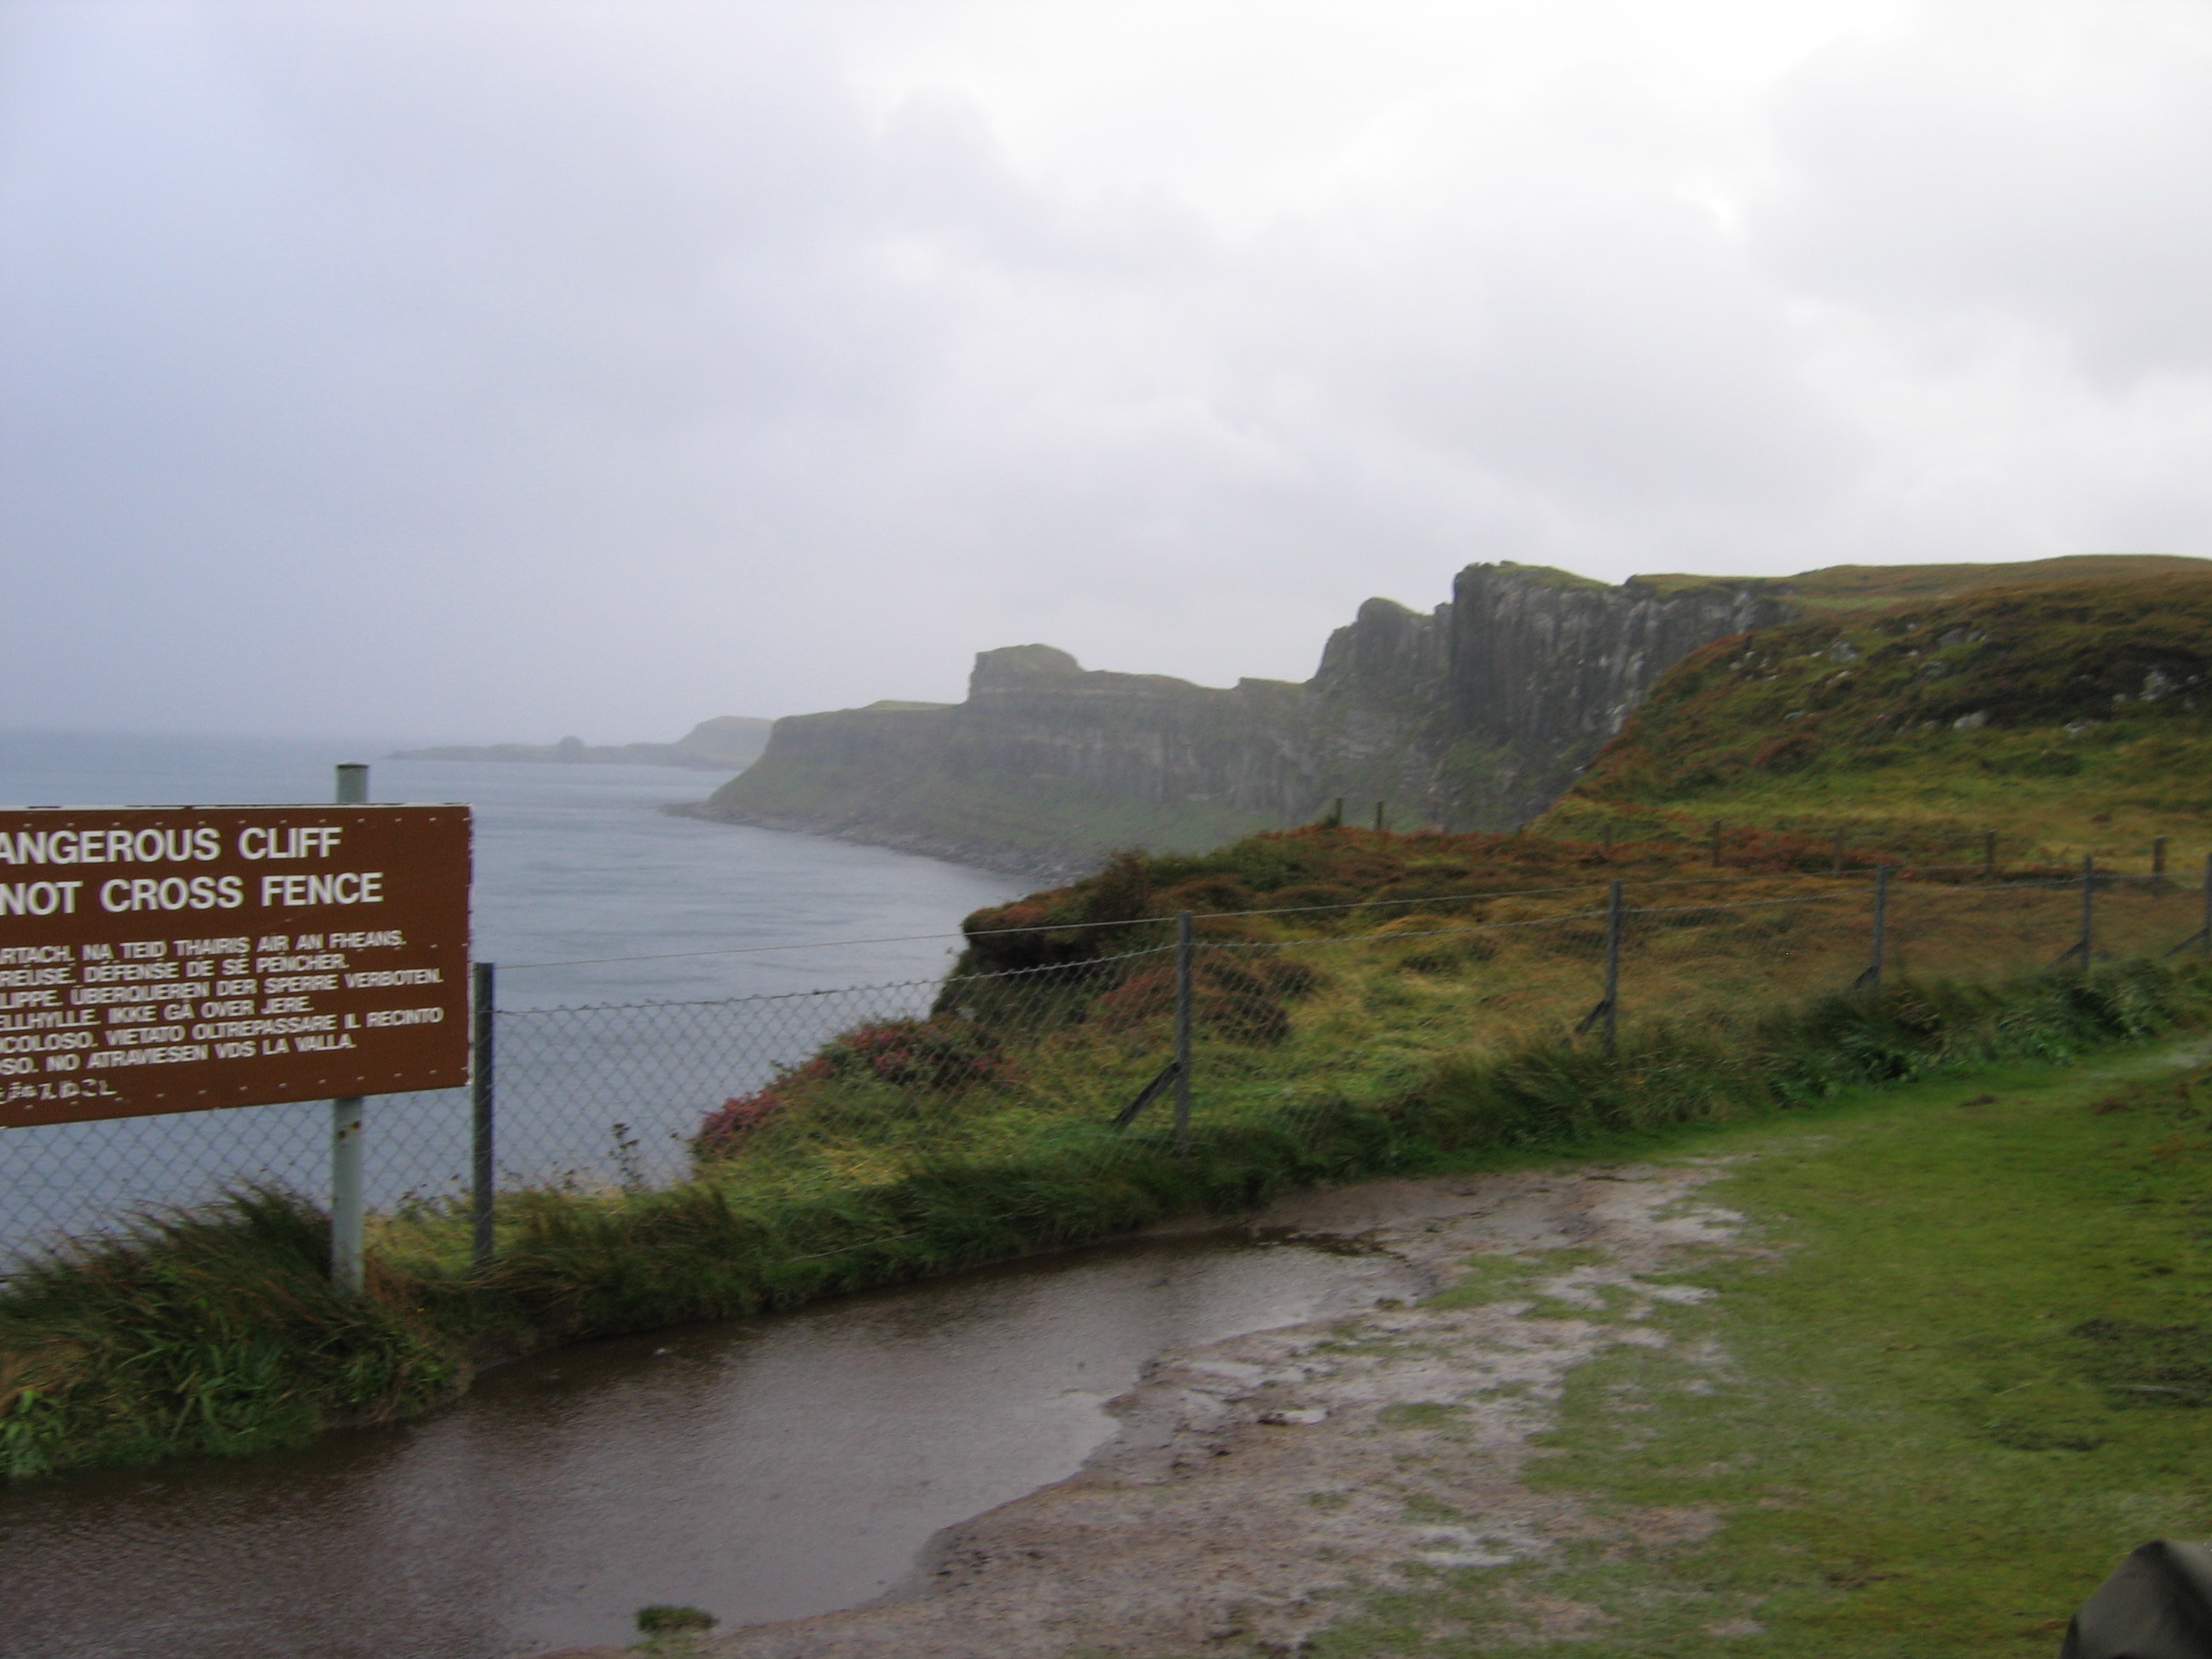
{"x":1474,"y":715}
{"x":1046,"y":766}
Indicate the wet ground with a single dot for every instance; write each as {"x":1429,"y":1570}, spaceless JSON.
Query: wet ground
{"x":765,"y":1471}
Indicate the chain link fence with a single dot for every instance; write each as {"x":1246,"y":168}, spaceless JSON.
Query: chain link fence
{"x":1257,"y":1018}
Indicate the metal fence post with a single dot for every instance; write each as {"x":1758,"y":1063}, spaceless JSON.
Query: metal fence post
{"x":1184,"y":950}
{"x":1612,"y":965}
{"x":1872,"y":977}
{"x":348,"y":1199}
{"x":480,"y":1098}
{"x":2088,"y":945}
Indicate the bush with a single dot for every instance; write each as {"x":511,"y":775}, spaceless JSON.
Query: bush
{"x":935,"y":1053}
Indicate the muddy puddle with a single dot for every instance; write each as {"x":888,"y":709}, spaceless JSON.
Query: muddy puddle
{"x":763,"y":1470}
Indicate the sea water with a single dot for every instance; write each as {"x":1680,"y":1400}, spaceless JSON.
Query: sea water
{"x":587,"y":894}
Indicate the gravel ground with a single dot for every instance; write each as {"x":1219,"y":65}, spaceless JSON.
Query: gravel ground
{"x":1262,"y":1486}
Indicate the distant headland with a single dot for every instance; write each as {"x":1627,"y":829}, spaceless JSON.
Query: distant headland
{"x":1478,"y":715}
{"x":727,"y":743}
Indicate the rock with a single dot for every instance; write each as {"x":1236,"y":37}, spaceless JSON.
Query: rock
{"x":1843,"y":651}
{"x":1474,"y":715}
{"x":1973,"y":722}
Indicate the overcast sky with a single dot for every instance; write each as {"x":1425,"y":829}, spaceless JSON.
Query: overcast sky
{"x":488,"y":372}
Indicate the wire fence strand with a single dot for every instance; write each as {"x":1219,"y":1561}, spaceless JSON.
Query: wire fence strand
{"x":859,"y":1084}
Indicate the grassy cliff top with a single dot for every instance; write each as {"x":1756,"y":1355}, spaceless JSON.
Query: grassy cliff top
{"x":2076,"y":716}
{"x":1875,"y":586}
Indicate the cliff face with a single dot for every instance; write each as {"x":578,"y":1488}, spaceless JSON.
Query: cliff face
{"x":1478,"y":715}
{"x":1035,"y":713}
{"x":1544,"y":668}
{"x":1045,"y":766}
{"x":1473,"y":716}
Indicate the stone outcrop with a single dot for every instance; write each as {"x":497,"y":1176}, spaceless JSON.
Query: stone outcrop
{"x":1544,"y":667}
{"x":1474,"y":715}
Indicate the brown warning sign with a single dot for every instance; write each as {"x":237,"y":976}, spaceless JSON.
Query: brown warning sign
{"x":173,"y":958}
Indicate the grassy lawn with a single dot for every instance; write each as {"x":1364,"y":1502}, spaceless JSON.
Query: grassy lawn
{"x":1958,"y":1375}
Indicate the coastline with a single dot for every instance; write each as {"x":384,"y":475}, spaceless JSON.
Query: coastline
{"x":1052,"y":869}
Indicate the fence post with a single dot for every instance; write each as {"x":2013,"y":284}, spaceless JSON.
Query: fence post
{"x":2158,"y":863}
{"x":1989,"y":852}
{"x":348,"y":1199}
{"x":1184,"y":950}
{"x":1612,"y":965}
{"x":1872,"y":977}
{"x":2088,"y":945}
{"x":480,"y":1099}
{"x":1378,"y":818}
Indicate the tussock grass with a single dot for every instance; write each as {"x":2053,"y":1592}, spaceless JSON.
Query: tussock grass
{"x":215,"y":1331}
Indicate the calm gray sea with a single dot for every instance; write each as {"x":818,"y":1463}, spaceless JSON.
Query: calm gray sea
{"x":585,"y":892}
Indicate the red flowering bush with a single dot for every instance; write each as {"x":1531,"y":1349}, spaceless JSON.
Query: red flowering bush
{"x":928,"y":1053}
{"x":932,"y":1053}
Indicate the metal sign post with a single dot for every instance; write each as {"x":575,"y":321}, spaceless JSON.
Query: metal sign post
{"x":482,"y":1099}
{"x":349,"y":1204}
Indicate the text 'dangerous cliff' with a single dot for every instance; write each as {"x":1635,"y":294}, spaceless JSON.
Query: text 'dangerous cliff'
{"x":169,"y":959}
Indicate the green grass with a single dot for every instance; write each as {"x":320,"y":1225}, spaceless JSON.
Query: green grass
{"x":1962,"y":1377}
{"x":1846,"y":587}
{"x":2096,"y":700}
{"x":218,"y":1333}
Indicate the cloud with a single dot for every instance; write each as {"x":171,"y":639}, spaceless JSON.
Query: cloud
{"x":2042,"y":166}
{"x":498,"y":370}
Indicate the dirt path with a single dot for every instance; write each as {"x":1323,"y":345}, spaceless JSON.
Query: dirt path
{"x":1261,"y":1485}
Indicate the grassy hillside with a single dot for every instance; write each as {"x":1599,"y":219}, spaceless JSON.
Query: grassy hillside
{"x":1842,"y":587}
{"x":1437,"y":1018}
{"x":2067,"y":717}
